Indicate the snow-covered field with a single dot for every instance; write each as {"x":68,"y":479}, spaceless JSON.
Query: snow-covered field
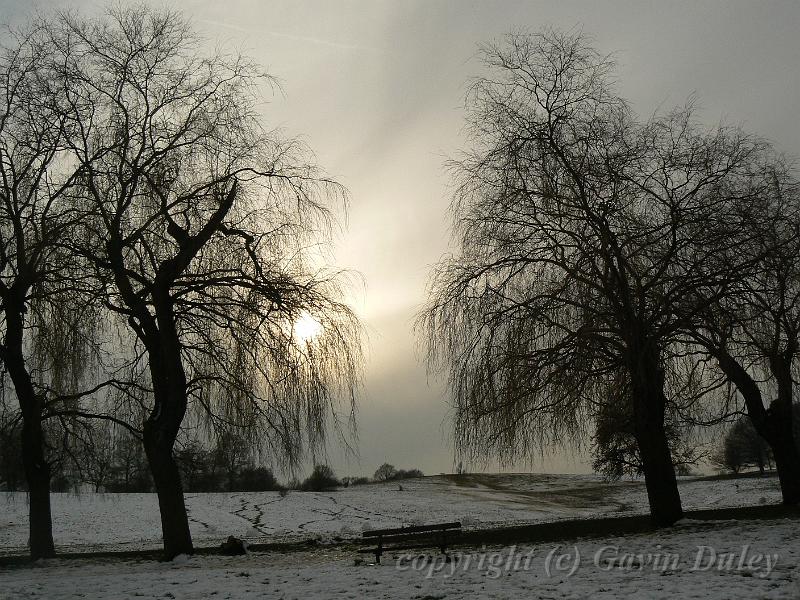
{"x":716,"y":560}
{"x":719,"y":561}
{"x":131,"y":521}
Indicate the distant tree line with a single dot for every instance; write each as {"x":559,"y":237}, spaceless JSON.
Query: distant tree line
{"x":387,"y":472}
{"x":119,"y":464}
{"x":116,"y":462}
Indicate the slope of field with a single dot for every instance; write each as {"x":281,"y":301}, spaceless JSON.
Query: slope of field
{"x":131,"y":521}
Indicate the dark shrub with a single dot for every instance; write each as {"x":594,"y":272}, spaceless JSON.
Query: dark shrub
{"x":409,"y":474}
{"x":256,"y":479}
{"x":385,"y":472}
{"x":322,"y":479}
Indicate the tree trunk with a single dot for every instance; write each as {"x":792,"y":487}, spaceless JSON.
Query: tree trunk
{"x":647,"y":378}
{"x":161,"y":428}
{"x":773,"y":425}
{"x":780,"y":428}
{"x":787,"y":462}
{"x":37,"y":473}
{"x":760,"y":459}
{"x":34,"y":462}
{"x":158,"y":445}
{"x":659,"y":476}
{"x":659,"y":472}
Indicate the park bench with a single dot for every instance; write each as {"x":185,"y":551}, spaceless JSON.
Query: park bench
{"x":405,"y":538}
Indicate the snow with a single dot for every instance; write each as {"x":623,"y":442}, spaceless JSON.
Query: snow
{"x":131,"y":521}
{"x":603,"y":571}
{"x":753,"y":559}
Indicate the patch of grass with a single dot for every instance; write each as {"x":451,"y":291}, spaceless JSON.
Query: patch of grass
{"x":727,"y":476}
{"x":570,"y":529}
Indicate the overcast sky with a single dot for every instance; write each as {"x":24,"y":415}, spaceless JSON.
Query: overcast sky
{"x":376,"y":89}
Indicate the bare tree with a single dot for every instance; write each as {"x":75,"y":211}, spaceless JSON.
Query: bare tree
{"x":130,"y":464}
{"x":577,"y":228}
{"x":385,"y":472}
{"x":753,"y":331}
{"x":231,"y":454}
{"x":48,"y":319}
{"x":203,"y":228}
{"x":741,"y":447}
{"x":96,"y":464}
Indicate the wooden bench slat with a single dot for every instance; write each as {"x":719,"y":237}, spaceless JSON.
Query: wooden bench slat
{"x":412,"y":529}
{"x":432,"y":536}
{"x":395,"y":548}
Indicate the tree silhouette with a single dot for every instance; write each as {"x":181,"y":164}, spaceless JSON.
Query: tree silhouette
{"x":753,"y":330}
{"x":202,"y":228}
{"x":48,"y":318}
{"x":385,"y":472}
{"x":578,"y":228}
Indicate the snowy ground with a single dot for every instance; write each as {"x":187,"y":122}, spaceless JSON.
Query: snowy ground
{"x":718,"y":561}
{"x":131,"y":521}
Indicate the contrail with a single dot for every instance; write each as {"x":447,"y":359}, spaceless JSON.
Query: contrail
{"x":289,"y":36}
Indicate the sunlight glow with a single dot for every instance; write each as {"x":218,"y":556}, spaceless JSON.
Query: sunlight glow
{"x":306,"y":327}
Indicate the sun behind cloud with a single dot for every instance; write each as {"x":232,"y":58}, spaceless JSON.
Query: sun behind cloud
{"x":307,"y":327}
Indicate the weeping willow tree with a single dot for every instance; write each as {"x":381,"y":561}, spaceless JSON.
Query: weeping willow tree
{"x":48,"y":319}
{"x":753,"y":332}
{"x":577,"y":230}
{"x":204,"y":230}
